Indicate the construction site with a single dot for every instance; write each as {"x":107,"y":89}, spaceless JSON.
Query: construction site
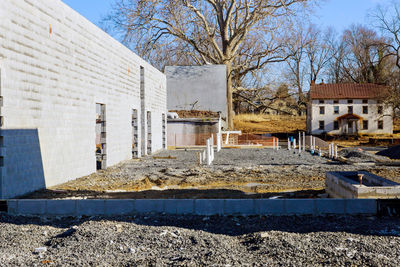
{"x":105,"y":160}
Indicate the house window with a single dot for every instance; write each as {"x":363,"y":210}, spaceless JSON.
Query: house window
{"x":365,"y":125}
{"x":335,"y":125}
{"x":321,"y":110}
{"x":322,"y":125}
{"x":365,"y":109}
{"x":365,"y":101}
{"x":336,"y":110}
{"x":336,"y":101}
{"x":350,"y":101}
{"x":380,"y":125}
{"x":321,"y":101}
{"x":350,"y":109}
{"x":380,"y":109}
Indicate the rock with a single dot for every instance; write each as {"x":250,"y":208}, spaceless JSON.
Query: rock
{"x":40,"y":250}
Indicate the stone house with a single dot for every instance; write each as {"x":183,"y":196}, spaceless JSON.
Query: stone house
{"x":73,"y":99}
{"x":348,"y":109}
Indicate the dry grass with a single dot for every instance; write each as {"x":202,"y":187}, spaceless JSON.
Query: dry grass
{"x":260,"y":123}
{"x":396,"y":125}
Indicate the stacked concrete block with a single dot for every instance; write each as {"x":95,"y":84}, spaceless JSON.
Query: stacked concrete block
{"x":55,"y":66}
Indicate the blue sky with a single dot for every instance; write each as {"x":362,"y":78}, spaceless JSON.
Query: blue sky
{"x":336,"y":13}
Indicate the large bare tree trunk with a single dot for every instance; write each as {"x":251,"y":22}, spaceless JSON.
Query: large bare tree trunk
{"x":229,"y":99}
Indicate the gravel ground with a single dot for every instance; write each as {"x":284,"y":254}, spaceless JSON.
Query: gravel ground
{"x":162,"y":240}
{"x":235,"y":173}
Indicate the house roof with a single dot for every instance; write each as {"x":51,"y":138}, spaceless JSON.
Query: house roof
{"x":349,"y":116}
{"x":348,"y":91}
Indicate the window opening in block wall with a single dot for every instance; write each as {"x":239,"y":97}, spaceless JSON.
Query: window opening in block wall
{"x":164,"y":131}
{"x":142,"y":113}
{"x":135,"y":134}
{"x":148,"y":133}
{"x":101,"y":144}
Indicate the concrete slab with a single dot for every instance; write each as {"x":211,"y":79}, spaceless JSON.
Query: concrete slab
{"x":149,"y":205}
{"x":361,"y":206}
{"x":300,"y":206}
{"x":209,"y":206}
{"x":61,"y":207}
{"x":119,"y":206}
{"x":31,"y":207}
{"x":269,"y":206}
{"x":239,"y":206}
{"x":179,"y":206}
{"x":330,"y":206}
{"x":12,"y":206}
{"x":90,"y":207}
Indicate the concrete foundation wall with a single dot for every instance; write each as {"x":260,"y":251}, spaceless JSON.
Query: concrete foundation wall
{"x":197,"y":87}
{"x":55,"y":66}
{"x":276,"y":207}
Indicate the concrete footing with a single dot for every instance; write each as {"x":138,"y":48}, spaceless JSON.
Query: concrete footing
{"x":277,"y":207}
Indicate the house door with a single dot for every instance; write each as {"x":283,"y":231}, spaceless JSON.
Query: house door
{"x":350,"y":127}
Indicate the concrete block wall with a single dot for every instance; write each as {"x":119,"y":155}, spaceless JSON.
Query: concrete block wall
{"x":55,"y":66}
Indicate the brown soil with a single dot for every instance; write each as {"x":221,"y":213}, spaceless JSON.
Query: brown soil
{"x":236,"y":173}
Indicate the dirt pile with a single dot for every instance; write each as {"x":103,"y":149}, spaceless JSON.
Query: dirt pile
{"x":359,"y":155}
{"x":392,"y":152}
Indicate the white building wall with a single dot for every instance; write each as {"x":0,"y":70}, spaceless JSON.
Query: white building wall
{"x":357,"y":105}
{"x":55,"y":66}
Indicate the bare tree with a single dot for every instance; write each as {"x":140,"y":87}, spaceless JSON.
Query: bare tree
{"x":212,"y":30}
{"x":387,"y":20}
{"x":318,"y":51}
{"x":308,"y":54}
{"x":296,"y":51}
{"x":389,"y":24}
{"x":365,"y":55}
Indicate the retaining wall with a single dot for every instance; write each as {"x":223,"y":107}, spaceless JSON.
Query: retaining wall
{"x":275,"y":207}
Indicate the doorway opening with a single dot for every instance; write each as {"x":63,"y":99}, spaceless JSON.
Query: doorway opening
{"x":142,"y":114}
{"x":101,"y":144}
{"x":148,"y":132}
{"x":135,"y":136}
{"x":164,"y":132}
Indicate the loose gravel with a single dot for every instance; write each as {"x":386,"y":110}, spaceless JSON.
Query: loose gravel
{"x":235,"y":173}
{"x":164,"y":240}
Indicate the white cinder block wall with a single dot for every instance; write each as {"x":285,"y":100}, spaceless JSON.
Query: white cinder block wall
{"x":55,"y":66}
{"x":357,"y":105}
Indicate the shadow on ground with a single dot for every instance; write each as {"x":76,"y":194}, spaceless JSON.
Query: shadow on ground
{"x":171,"y":194}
